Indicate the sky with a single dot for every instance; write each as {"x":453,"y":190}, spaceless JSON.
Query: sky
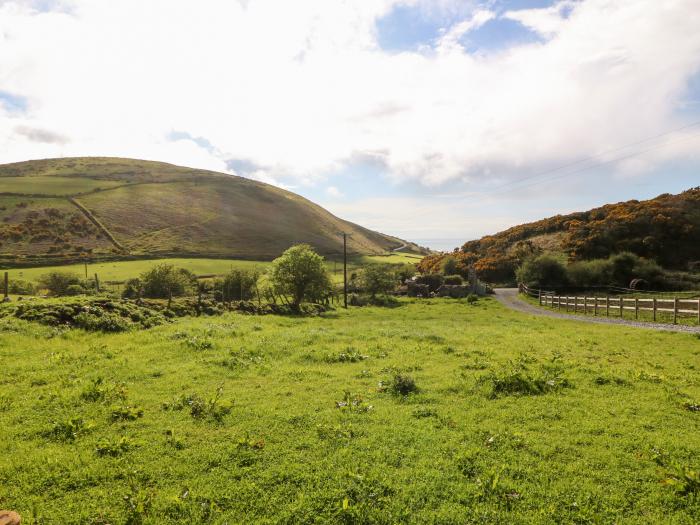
{"x":437,"y":121}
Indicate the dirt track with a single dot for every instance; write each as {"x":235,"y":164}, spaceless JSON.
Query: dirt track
{"x":509,"y":298}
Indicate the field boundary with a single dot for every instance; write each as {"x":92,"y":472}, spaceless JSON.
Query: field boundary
{"x":97,"y":223}
{"x":604,"y":306}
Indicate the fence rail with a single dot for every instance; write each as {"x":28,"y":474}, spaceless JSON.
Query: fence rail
{"x":616,"y":306}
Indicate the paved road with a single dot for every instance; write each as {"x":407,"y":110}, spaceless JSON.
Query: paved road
{"x":509,"y":297}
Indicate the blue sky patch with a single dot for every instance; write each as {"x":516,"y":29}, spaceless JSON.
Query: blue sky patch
{"x":409,"y":28}
{"x":499,"y":34}
{"x":12,"y":103}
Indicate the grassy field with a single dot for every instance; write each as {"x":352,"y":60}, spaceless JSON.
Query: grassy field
{"x":122,"y":270}
{"x":244,"y":419}
{"x":48,"y":185}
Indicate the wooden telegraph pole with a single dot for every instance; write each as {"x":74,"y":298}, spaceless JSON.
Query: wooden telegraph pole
{"x":345,"y":269}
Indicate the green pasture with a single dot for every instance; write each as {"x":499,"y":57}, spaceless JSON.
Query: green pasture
{"x":53,"y":185}
{"x":123,"y":270}
{"x":434,"y":411}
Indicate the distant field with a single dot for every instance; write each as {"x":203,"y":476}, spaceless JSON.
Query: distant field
{"x":53,"y":185}
{"x":516,"y":420}
{"x":122,"y":270}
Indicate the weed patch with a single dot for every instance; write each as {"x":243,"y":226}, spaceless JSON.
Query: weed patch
{"x":518,"y":381}
{"x":116,"y":448}
{"x":69,"y":430}
{"x":200,"y":408}
{"x":125,"y":413}
{"x":400,"y":385}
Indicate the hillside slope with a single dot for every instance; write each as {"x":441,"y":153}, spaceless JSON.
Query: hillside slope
{"x":665,"y":229}
{"x":73,"y":207}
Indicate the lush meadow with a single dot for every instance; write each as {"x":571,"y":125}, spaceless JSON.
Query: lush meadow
{"x":117,"y":271}
{"x":434,"y":411}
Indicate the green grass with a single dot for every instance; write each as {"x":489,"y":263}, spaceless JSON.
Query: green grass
{"x":122,"y":270}
{"x":53,"y":185}
{"x":244,"y":419}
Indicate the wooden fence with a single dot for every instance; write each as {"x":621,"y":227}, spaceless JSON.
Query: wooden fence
{"x":616,"y":305}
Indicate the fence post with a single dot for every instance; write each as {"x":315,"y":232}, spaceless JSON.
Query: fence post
{"x":585,"y":305}
{"x":575,"y":304}
{"x":622,"y":307}
{"x":595,"y":306}
{"x":607,"y":306}
{"x":654,"y":307}
{"x":675,"y":310}
{"x":539,"y":296}
{"x":636,"y":308}
{"x":559,"y":304}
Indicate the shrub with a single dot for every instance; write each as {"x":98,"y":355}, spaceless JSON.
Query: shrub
{"x":449,"y":266}
{"x":403,"y":385}
{"x":74,"y":289}
{"x":377,"y":279}
{"x":544,"y":271}
{"x":107,"y":322}
{"x":405,"y":271}
{"x":300,"y":273}
{"x":432,"y":280}
{"x":237,"y":285}
{"x":164,"y":280}
{"x":20,"y":287}
{"x":454,"y":279}
{"x":133,"y":288}
{"x":57,"y":283}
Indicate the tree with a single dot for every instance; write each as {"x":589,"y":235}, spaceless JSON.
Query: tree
{"x":165,"y":280}
{"x":448,"y":266}
{"x":239,"y":284}
{"x":543,"y":271}
{"x":300,"y":273}
{"x":377,"y":278}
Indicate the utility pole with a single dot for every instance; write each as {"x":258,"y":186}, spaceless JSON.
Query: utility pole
{"x":345,"y":269}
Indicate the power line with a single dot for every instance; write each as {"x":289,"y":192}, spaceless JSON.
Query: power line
{"x":603,"y":163}
{"x":593,"y":157}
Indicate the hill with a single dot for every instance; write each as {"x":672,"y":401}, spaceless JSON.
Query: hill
{"x":665,"y":229}
{"x":62,"y":209}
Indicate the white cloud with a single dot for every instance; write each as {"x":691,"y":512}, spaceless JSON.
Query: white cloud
{"x":300,"y":88}
{"x":334,"y":192}
{"x":451,"y":39}
{"x":546,"y":21}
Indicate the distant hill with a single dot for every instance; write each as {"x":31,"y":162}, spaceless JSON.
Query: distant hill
{"x":106,"y":207}
{"x":665,"y":229}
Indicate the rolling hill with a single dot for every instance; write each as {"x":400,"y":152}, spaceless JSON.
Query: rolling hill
{"x":69,"y":208}
{"x":665,"y":229}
